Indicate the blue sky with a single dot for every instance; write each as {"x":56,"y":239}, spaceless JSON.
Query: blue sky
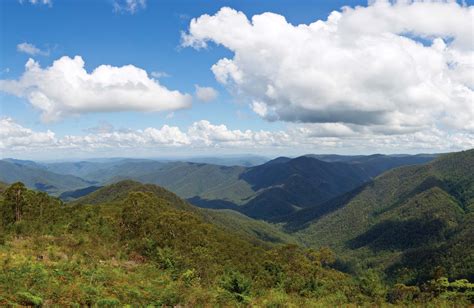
{"x":149,"y":37}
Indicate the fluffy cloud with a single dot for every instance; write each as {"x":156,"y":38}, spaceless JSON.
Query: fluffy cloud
{"x":16,"y":137}
{"x":205,"y":94}
{"x":205,"y":133}
{"x":129,"y":6}
{"x":66,"y":88}
{"x":201,"y":134}
{"x":396,"y":67}
{"x":31,"y":49}
{"x":205,"y":136}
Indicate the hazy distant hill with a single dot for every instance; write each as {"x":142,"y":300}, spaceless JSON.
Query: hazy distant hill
{"x":34,"y":176}
{"x":408,"y":220}
{"x":240,"y":160}
{"x":376,"y":164}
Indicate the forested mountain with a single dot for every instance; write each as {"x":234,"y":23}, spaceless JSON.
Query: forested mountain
{"x":130,"y":243}
{"x":407,"y":222}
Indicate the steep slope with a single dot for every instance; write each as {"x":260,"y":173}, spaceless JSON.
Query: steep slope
{"x":282,"y":186}
{"x":414,"y":217}
{"x":38,"y":178}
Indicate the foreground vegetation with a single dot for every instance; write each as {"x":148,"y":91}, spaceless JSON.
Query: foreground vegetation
{"x":151,"y":248}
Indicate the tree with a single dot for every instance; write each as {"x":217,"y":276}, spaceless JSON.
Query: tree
{"x":15,"y":199}
{"x":42,"y":200}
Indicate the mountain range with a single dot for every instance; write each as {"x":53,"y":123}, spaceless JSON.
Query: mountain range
{"x":276,"y":188}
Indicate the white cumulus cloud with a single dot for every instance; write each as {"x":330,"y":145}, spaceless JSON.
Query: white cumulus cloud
{"x":206,"y":94}
{"x":66,"y":88}
{"x":396,"y":67}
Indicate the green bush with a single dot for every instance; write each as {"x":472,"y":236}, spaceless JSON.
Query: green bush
{"x":26,"y":298}
{"x":236,"y":284}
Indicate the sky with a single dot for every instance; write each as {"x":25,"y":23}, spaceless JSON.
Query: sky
{"x":152,"y":78}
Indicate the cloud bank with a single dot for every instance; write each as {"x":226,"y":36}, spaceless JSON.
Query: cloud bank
{"x":202,"y":135}
{"x":396,"y":67}
{"x":66,"y":88}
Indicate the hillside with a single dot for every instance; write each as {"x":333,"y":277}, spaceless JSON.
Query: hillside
{"x":407,"y":221}
{"x":35,"y":177}
{"x":146,"y":249}
{"x":226,"y":219}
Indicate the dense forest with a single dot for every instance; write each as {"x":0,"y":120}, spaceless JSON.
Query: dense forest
{"x":130,"y":243}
